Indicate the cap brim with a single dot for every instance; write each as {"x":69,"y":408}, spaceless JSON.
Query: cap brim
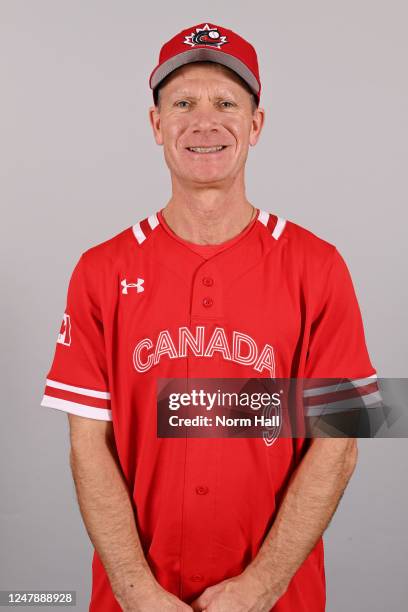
{"x":201,"y":55}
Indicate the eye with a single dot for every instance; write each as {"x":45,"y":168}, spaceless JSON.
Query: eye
{"x":182,"y":104}
{"x":227,"y":104}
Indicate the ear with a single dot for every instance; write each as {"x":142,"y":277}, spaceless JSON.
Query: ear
{"x":257,"y":124}
{"x":154,"y":117}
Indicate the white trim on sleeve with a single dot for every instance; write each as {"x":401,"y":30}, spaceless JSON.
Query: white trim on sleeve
{"x":350,"y":384}
{"x":344,"y":405}
{"x":102,"y":414}
{"x":79,"y":390}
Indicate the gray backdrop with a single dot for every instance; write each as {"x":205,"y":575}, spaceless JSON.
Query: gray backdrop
{"x":78,"y":165}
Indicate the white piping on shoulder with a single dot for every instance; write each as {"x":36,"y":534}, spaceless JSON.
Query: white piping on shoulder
{"x":279,"y":227}
{"x":263,"y":217}
{"x":153,"y":221}
{"x":139,"y":235}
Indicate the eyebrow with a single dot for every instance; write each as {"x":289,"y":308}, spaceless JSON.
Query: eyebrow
{"x":185,"y":92}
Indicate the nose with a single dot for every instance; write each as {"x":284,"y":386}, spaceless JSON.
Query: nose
{"x":205,"y":120}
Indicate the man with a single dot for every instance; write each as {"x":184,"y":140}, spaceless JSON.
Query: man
{"x":208,"y":286}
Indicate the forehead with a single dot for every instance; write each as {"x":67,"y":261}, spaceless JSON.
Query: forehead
{"x":196,"y":72}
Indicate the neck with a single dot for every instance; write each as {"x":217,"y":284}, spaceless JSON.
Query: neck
{"x":208,"y":215}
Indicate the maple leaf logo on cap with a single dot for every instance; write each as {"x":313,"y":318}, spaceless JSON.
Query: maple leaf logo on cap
{"x":206,"y":35}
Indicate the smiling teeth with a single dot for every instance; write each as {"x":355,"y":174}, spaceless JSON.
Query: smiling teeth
{"x":206,"y":149}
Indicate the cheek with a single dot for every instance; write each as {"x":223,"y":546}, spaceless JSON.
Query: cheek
{"x":173,"y":132}
{"x":239,"y":129}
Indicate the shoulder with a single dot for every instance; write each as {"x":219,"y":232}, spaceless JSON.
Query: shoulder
{"x":305,"y":254}
{"x":307,"y":243}
{"x":107,"y":251}
{"x":293,"y":235}
{"x":303,"y":248}
{"x":118,"y":248}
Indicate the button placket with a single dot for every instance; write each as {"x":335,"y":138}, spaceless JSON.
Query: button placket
{"x":207,"y":294}
{"x":208,"y":301}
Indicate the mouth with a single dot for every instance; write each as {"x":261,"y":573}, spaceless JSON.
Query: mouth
{"x":207,"y":150}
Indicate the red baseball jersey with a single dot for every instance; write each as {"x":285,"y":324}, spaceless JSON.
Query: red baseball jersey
{"x":274,"y":301}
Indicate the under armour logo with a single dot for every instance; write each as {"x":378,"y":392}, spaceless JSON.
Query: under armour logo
{"x":137,"y":286}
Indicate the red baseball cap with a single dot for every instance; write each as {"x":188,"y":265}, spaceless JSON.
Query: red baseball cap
{"x":209,"y":42}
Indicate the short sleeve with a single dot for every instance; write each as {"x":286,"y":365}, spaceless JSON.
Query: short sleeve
{"x":77,"y":381}
{"x":337,"y":346}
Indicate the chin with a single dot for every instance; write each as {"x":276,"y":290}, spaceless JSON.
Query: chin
{"x":206,"y":178}
{"x":206,"y":175}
